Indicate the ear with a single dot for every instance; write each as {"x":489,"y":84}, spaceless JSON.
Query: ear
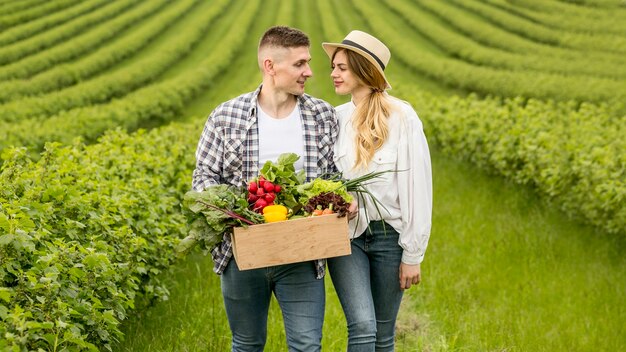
{"x":268,"y":66}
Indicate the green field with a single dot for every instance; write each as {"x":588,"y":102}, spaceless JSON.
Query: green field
{"x":102,"y":104}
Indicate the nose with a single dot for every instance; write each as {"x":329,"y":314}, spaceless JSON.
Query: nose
{"x":334,"y":73}
{"x":308,"y":72}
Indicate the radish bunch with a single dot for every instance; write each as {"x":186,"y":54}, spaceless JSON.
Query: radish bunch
{"x":262,"y":193}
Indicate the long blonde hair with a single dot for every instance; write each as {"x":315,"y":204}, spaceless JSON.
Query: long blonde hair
{"x":370,"y":117}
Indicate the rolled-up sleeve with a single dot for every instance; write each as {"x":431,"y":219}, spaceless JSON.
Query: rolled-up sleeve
{"x":208,"y":156}
{"x":331,"y":126}
{"x":328,"y":132}
{"x":416,"y":199}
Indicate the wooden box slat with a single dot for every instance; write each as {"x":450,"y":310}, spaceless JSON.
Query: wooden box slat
{"x":291,"y":241}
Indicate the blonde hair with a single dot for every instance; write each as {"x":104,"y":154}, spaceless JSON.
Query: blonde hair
{"x":370,"y":117}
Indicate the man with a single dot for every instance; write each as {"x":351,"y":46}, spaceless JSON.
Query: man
{"x":242,"y":134}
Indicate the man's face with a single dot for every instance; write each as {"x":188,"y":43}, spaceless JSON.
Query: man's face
{"x":292,"y":69}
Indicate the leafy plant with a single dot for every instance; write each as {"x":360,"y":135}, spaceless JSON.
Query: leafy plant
{"x":283,"y":173}
{"x":212,"y":212}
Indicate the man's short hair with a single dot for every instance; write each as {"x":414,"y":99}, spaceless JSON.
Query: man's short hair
{"x":285,"y":37}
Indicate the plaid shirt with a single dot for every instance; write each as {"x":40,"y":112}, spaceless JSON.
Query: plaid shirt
{"x":228,"y":151}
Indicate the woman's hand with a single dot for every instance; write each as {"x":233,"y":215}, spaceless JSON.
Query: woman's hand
{"x":353,"y":209}
{"x":409,"y":275}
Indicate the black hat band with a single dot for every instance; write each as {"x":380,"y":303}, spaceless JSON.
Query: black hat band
{"x":356,"y":45}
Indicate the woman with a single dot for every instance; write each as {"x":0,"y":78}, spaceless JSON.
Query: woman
{"x":378,"y":132}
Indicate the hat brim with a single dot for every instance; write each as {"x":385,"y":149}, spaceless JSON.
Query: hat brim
{"x":330,"y":49}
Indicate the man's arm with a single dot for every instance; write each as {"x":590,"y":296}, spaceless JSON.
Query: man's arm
{"x":208,"y":156}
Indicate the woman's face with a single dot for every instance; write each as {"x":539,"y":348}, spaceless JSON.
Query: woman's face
{"x":344,"y":80}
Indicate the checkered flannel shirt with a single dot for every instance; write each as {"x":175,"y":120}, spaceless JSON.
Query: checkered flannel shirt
{"x":228,"y":151}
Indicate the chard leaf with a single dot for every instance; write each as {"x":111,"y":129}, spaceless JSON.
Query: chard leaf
{"x":288,"y":159}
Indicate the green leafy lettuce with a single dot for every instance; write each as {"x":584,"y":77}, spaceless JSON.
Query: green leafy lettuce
{"x":318,"y":185}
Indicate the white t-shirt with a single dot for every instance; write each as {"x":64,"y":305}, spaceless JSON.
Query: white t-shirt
{"x":278,"y":136}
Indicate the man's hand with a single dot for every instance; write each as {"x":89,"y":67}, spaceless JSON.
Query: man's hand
{"x":409,"y":275}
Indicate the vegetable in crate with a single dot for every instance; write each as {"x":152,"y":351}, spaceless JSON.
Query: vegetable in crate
{"x":282,"y":174}
{"x":319,"y":194}
{"x":327,"y":203}
{"x":262,"y":193}
{"x":274,"y":213}
{"x":319,"y":186}
{"x":212,"y":212}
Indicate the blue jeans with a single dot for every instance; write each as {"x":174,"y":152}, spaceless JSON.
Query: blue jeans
{"x":368,"y":285}
{"x":300,"y":296}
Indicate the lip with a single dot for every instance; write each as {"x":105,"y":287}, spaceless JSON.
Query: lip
{"x":337,"y":84}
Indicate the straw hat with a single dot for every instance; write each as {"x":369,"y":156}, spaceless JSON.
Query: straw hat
{"x":367,"y":46}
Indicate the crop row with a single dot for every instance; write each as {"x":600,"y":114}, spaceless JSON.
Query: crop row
{"x":28,"y":14}
{"x":11,"y":7}
{"x":102,"y":88}
{"x":458,"y":45}
{"x":491,"y":36}
{"x":23,"y":31}
{"x":558,"y":15}
{"x":158,"y":102}
{"x":486,"y":80}
{"x":582,"y":41}
{"x":79,"y":45}
{"x":571,"y":9}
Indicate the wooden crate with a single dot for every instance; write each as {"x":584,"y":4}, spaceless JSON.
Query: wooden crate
{"x":291,"y":241}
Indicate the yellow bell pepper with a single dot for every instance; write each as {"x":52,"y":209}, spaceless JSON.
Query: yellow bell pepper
{"x":276,"y":208}
{"x":274,"y":216}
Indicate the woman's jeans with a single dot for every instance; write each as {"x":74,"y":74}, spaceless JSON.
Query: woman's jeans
{"x":368,"y":285}
{"x":300,"y":295}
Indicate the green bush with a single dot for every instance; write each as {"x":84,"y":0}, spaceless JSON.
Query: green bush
{"x":572,"y":153}
{"x":83,"y":231}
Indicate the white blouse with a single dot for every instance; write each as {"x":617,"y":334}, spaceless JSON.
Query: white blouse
{"x":406,"y":194}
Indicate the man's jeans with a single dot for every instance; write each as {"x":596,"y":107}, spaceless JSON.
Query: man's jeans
{"x":368,"y":285}
{"x":300,"y":295}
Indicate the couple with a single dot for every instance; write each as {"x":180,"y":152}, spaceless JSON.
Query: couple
{"x":374,"y":131}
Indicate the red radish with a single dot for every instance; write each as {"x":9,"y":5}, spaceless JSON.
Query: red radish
{"x":252,"y":197}
{"x":268,"y":186}
{"x":260,"y":192}
{"x":261,"y":181}
{"x":276,"y":188}
{"x":260,"y":204}
{"x":252,"y":187}
{"x":269,"y":197}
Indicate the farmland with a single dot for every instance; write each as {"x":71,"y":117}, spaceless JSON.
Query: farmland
{"x":102,"y":104}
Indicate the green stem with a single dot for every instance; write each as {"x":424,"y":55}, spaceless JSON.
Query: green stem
{"x":230,"y":213}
